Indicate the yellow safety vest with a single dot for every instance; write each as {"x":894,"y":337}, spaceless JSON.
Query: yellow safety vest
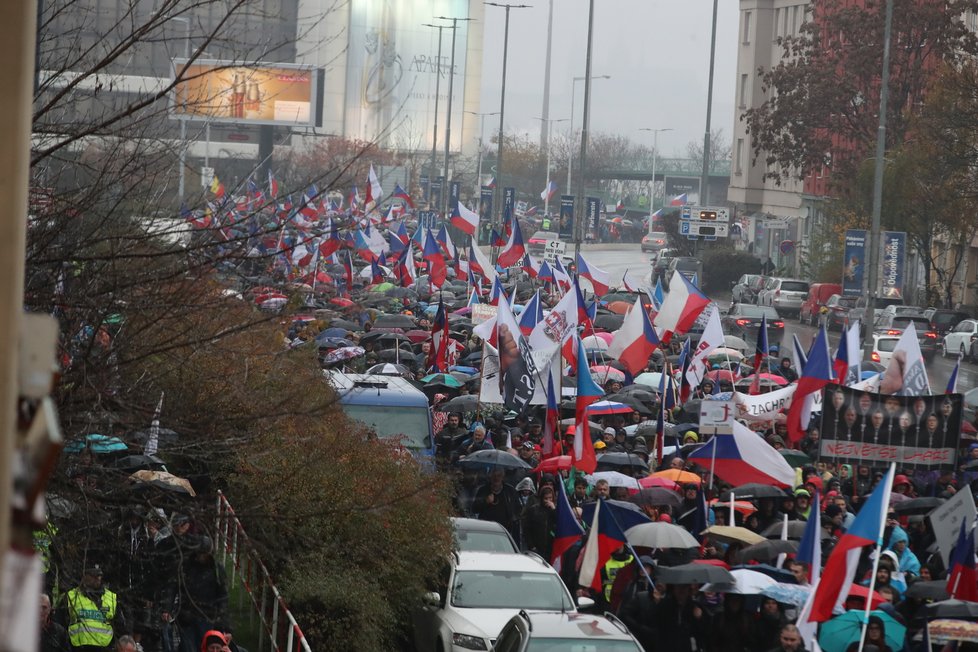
{"x":87,"y":624}
{"x":611,"y":571}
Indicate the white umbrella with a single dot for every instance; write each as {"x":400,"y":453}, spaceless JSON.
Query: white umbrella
{"x":734,"y":342}
{"x":649,"y":378}
{"x":367,"y":272}
{"x":594,"y":343}
{"x":660,"y":535}
{"x":748,"y":582}
{"x":728,"y":352}
{"x":614,"y":478}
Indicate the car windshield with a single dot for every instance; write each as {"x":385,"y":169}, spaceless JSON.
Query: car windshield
{"x":409,"y":423}
{"x":887,"y":344}
{"x":902,"y":321}
{"x":687,"y":264}
{"x":794,"y":286}
{"x":544,"y":235}
{"x":756,"y":311}
{"x":947,"y":318}
{"x":482,"y":541}
{"x":657,"y":235}
{"x":582,"y":644}
{"x":485,"y":589}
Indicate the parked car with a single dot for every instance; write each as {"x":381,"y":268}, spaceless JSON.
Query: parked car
{"x":883,"y":347}
{"x":858,"y":311}
{"x":889,"y":323}
{"x":565,"y":631}
{"x":538,"y":241}
{"x":786,"y":294}
{"x":744,"y":321}
{"x":741,"y":289}
{"x":765,"y":291}
{"x":660,"y":268}
{"x":755,"y":288}
{"x":655,"y":241}
{"x":476,"y":535}
{"x":477,"y":595}
{"x":943,"y":320}
{"x":691,"y":268}
{"x":960,"y":339}
{"x":818,"y":296}
{"x":835,"y":313}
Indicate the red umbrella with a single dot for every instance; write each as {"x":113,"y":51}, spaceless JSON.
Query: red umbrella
{"x":341,"y":301}
{"x":780,"y":381}
{"x":652,"y":481}
{"x":712,"y":562}
{"x":417,"y":336}
{"x":721,"y":375}
{"x":318,"y":277}
{"x":860,"y":591}
{"x":551,"y":464}
{"x":619,"y":307}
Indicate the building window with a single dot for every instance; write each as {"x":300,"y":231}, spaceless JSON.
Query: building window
{"x":794,"y":19}
{"x":747,"y":17}
{"x":784,"y":21}
{"x":743,"y":90}
{"x":740,"y":156}
{"x":777,"y":23}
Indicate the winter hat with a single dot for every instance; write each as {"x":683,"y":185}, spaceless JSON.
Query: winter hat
{"x":526,"y":484}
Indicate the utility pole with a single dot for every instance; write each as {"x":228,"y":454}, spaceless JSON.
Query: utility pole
{"x":874,"y":234}
{"x":502,"y":114}
{"x":570,"y":158}
{"x":548,"y":124}
{"x":482,"y":135}
{"x":705,"y":177}
{"x":434,"y":129}
{"x":448,"y":109}
{"x":544,"y":130}
{"x":580,"y":222}
{"x":655,"y":157}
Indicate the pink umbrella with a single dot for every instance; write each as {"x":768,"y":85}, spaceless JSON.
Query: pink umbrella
{"x":607,"y":337}
{"x":462,"y":311}
{"x":604,"y":373}
{"x":652,"y":481}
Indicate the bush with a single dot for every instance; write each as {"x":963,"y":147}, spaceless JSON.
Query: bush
{"x":721,"y":267}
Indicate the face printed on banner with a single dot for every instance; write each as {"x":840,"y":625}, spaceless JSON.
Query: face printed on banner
{"x":946,"y":409}
{"x":877,"y":419}
{"x":838,"y":400}
{"x":905,"y":420}
{"x":892,"y":407}
{"x":932,"y":422}
{"x":850,"y":417}
{"x":865,"y":403}
{"x":919,"y":408}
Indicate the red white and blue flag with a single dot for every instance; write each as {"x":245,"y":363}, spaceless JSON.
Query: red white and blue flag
{"x":272,"y":185}
{"x":588,"y":392}
{"x":605,"y":537}
{"x":712,"y":338}
{"x":437,"y":270}
{"x":514,"y":250}
{"x":816,"y":374}
{"x":479,"y":263}
{"x":962,"y":580}
{"x":445,"y":242}
{"x":348,"y":271}
{"x":530,"y":266}
{"x":635,"y":341}
{"x":403,"y":195}
{"x":374,"y":192}
{"x":567,"y":531}
{"x":952,"y":381}
{"x":742,"y":457}
{"x":630,"y":285}
{"x":532,"y":314}
{"x":848,"y":357}
{"x":496,"y":292}
{"x":495,"y":239}
{"x":680,"y":308}
{"x":551,"y":422}
{"x":599,"y":278}
{"x":549,"y":191}
{"x":438,"y":353}
{"x":679,"y":200}
{"x":840,"y":569}
{"x":464,"y":219}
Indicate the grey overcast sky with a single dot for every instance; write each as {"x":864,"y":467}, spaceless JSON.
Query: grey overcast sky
{"x":656,"y":51}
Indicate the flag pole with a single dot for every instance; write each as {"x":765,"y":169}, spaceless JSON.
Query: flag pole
{"x":879,"y":553}
{"x":713,"y":460}
{"x":632,"y":550}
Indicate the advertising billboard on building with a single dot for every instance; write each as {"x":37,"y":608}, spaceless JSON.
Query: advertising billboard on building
{"x":593,"y":215}
{"x":269,"y":94}
{"x":893,"y":261}
{"x":485,"y":206}
{"x":566,"y":226}
{"x":854,"y":262}
{"x":393,"y":68}
{"x":509,"y":203}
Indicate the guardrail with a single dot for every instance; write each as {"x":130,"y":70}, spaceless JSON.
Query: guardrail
{"x":279,"y":630}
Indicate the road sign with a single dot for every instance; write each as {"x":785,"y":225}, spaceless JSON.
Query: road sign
{"x":786,"y":247}
{"x":705,"y":213}
{"x":684,"y":228}
{"x":706,"y":229}
{"x":553,"y":249}
{"x":206,"y":176}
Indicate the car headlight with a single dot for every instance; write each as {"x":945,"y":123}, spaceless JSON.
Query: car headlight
{"x":469,"y":642}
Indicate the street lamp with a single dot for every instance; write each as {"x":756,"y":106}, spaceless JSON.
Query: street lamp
{"x":183,"y":118}
{"x":434,"y":129}
{"x":448,"y":109}
{"x":705,"y":177}
{"x":482,"y":130}
{"x":655,"y":157}
{"x":573,"y":95}
{"x":585,"y":126}
{"x":548,"y":124}
{"x":502,"y":109}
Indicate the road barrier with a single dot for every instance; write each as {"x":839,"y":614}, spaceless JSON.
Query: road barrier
{"x":279,"y":630}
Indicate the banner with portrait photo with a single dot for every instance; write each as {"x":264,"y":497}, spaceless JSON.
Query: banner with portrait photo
{"x":916,"y":432}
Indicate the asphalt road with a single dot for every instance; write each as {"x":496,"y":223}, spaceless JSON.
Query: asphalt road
{"x":617,"y":259}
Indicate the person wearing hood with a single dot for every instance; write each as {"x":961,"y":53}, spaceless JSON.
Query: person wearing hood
{"x":213,"y":641}
{"x":540,"y":521}
{"x":875,"y":637}
{"x":907,"y":562}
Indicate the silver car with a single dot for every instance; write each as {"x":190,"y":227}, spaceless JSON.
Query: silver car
{"x":786,"y":294}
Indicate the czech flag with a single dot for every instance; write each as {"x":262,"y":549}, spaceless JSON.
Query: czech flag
{"x":480,"y":264}
{"x":816,"y":374}
{"x":515,"y":249}
{"x":588,"y":392}
{"x":374,"y":192}
{"x":464,"y":219}
{"x":376,"y":273}
{"x":474,"y":298}
{"x":529,"y":266}
{"x":679,"y":200}
{"x":438,"y":353}
{"x":599,"y":278}
{"x":567,"y":531}
{"x":362,"y":247}
{"x":630,"y":286}
{"x":496,"y":292}
{"x":532,"y":314}
{"x":402,"y":194}
{"x":272,"y":185}
{"x":445,"y":241}
{"x":495,"y":239}
{"x":962,"y":581}
{"x":551,"y":424}
{"x":679,"y":310}
{"x":437,"y":269}
{"x":549,"y":191}
{"x":840,"y":569}
{"x":405,"y":266}
{"x":742,"y":457}
{"x":348,"y":270}
{"x":474,"y":283}
{"x":605,"y":537}
{"x":952,"y":381}
{"x":545,"y":273}
{"x":635,"y":341}
{"x":398,"y":238}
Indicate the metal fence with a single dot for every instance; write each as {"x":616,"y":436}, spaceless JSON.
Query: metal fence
{"x":278,"y":629}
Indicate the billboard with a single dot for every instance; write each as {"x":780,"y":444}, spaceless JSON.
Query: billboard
{"x":593,"y":213}
{"x":393,"y":69}
{"x":485,"y":205}
{"x":916,"y":432}
{"x":565,"y":226}
{"x":509,"y":203}
{"x":893,"y":263}
{"x":262,"y":94}
{"x":854,"y":262}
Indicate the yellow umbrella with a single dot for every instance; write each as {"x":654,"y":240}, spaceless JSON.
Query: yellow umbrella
{"x":733,"y":534}
{"x":163,"y":480}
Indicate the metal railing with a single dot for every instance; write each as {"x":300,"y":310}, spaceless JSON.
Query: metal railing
{"x":279,"y":630}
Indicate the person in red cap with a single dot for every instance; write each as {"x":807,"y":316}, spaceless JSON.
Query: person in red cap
{"x":214,"y":641}
{"x":902,"y":485}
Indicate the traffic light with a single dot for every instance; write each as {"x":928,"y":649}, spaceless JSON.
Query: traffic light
{"x":707,"y":215}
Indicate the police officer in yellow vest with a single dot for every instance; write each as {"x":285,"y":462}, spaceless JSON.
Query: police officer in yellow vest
{"x":92,"y":614}
{"x":619,"y":559}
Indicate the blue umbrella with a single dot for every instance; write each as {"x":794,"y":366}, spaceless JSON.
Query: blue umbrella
{"x":838,"y":633}
{"x":792,"y":594}
{"x":332,"y":342}
{"x":333,"y":332}
{"x":98,"y":444}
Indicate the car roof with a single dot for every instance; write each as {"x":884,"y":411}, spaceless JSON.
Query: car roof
{"x":544,"y":234}
{"x":476,"y":525}
{"x":567,"y":624}
{"x":501,"y":561}
{"x":375,"y":389}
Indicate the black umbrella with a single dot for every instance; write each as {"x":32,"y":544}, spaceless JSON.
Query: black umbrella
{"x":635,"y":397}
{"x":394,"y":321}
{"x":796,"y":529}
{"x":373,"y":336}
{"x":345,"y":323}
{"x":754,"y":490}
{"x":918,"y":505}
{"x":932,"y":590}
{"x":495,"y":459}
{"x":397,"y":356}
{"x":616,"y":461}
{"x":766,"y":550}
{"x":657,"y":496}
{"x":466,"y":403}
{"x":632,"y":401}
{"x":401,"y":293}
{"x":333,"y":342}
{"x":694,"y":574}
{"x":132,"y":463}
{"x":959,"y":609}
{"x":609,"y":322}
{"x":164,"y":436}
